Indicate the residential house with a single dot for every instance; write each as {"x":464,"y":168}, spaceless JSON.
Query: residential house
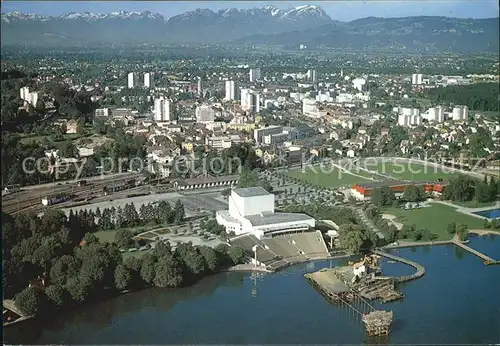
{"x":71,"y":126}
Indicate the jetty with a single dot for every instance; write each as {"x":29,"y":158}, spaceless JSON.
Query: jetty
{"x":420,"y":269}
{"x":455,"y":241}
{"x":486,"y":259}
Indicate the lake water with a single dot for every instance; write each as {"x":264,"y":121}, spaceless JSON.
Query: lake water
{"x":457,"y":301}
{"x":490,"y":213}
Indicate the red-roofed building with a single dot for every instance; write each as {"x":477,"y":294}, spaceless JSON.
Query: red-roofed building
{"x":363,"y":192}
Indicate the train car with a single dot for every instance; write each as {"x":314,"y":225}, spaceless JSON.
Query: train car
{"x":55,"y":199}
{"x":119,"y":186}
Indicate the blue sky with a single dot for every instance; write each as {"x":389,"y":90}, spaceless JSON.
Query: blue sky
{"x":339,"y":10}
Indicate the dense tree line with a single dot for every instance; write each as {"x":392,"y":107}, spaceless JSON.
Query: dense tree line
{"x":464,"y":189}
{"x":77,"y":273}
{"x":481,"y":96}
{"x":128,"y":216}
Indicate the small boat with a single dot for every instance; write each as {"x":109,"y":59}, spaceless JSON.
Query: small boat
{"x":391,"y":262}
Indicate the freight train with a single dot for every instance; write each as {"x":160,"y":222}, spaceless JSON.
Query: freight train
{"x":119,"y":186}
{"x":55,"y":199}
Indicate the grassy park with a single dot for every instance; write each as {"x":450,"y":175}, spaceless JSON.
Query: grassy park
{"x":415,"y":171}
{"x":332,"y":179}
{"x":435,"y":218}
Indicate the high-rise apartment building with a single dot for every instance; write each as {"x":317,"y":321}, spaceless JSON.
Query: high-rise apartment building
{"x":460,"y":113}
{"x":436,"y":114}
{"x":131,"y":80}
{"x":199,"y":88}
{"x":311,"y":74}
{"x":163,"y":110}
{"x":416,"y":79}
{"x":148,"y":80}
{"x":230,"y":90}
{"x":29,"y":96}
{"x":250,"y":100}
{"x":254,"y":74}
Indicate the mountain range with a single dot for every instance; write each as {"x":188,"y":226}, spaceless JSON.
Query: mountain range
{"x":308,"y":25}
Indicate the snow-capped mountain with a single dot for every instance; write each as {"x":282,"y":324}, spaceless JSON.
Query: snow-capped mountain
{"x":300,"y":12}
{"x":269,"y":25}
{"x":198,"y":26}
{"x":304,"y":13}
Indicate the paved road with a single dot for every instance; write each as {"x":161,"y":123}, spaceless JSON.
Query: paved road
{"x":370,"y":226}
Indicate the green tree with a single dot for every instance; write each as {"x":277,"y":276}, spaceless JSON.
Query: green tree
{"x":463,"y":232}
{"x":493,"y":189}
{"x":79,"y":288}
{"x":460,"y":189}
{"x":29,"y":301}
{"x":193,"y":260}
{"x":482,"y":192}
{"x":57,"y":295}
{"x":236,"y":254}
{"x":64,"y":267}
{"x":413,"y":193}
{"x":452,"y":228}
{"x":354,"y":239}
{"x":250,"y":178}
{"x":148,"y":269}
{"x":123,"y":239}
{"x":90,"y":238}
{"x":179,"y":213}
{"x":210,"y":256}
{"x":168,"y":272}
{"x":123,"y":277}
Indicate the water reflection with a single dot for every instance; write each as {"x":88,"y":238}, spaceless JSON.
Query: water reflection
{"x":102,"y":314}
{"x":459,"y":252}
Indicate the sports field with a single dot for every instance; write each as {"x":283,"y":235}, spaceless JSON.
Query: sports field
{"x":415,"y":171}
{"x":435,"y":217}
{"x":328,"y":178}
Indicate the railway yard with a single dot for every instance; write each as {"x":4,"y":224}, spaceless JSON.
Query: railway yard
{"x":71,"y":195}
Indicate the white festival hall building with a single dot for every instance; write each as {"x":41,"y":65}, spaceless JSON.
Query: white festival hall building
{"x":251,"y":210}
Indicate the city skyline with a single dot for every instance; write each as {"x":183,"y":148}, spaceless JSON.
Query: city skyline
{"x":337,"y":10}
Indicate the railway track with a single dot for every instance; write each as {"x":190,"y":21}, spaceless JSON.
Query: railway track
{"x":79,"y":194}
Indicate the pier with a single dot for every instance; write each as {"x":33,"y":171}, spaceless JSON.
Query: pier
{"x":455,"y":241}
{"x":418,"y":274}
{"x":486,"y":259}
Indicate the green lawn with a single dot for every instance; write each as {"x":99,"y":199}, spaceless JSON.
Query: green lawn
{"x":137,"y":254}
{"x":436,"y":218}
{"x":414,"y":171}
{"x":106,"y":236}
{"x":331,"y":179}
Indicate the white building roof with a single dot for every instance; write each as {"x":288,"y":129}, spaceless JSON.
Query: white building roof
{"x":276,"y":218}
{"x":251,"y":191}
